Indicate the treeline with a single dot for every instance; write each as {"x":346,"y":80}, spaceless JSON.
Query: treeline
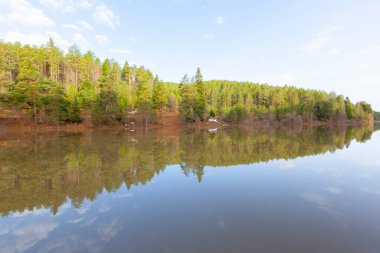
{"x":50,"y":85}
{"x":47,"y":170}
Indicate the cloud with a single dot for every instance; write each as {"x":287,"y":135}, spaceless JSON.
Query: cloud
{"x":287,"y":165}
{"x":85,"y":26}
{"x":22,"y":236}
{"x":36,"y":38}
{"x":75,"y":221}
{"x":370,"y":190}
{"x":67,"y":5}
{"x":109,"y":230}
{"x":79,"y":26}
{"x":25,"y":38}
{"x":219,"y":20}
{"x":103,"y":15}
{"x":120,"y":51}
{"x":322,"y":39}
{"x":334,"y":190}
{"x":101,"y":39}
{"x":81,"y":41}
{"x":71,"y":27}
{"x":18,"y":13}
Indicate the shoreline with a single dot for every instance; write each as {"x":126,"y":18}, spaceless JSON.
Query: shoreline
{"x":28,"y":126}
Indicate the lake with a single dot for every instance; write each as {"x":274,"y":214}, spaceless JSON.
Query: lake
{"x":227,"y":190}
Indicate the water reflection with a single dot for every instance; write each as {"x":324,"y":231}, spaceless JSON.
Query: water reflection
{"x":44,"y":171}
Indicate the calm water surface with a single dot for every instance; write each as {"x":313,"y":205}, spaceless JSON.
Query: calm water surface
{"x":234,"y":190}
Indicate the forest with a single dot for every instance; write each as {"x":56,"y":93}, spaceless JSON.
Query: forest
{"x":47,"y":85}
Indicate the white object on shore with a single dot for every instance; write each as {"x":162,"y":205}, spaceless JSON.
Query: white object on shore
{"x":213,"y":130}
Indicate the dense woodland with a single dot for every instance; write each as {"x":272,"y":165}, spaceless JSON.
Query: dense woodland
{"x":46,"y":170}
{"x":49,"y":85}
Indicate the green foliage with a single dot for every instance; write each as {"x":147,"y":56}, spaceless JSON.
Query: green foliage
{"x":144,"y":82}
{"x":74,"y":114}
{"x":106,"y":109}
{"x":322,"y":110}
{"x":237,"y":114}
{"x":212,"y":113}
{"x":200,"y":101}
{"x":86,"y":94}
{"x":187,"y":107}
{"x":109,"y":160}
{"x":350,"y":110}
{"x":159,"y":96}
{"x":145,"y":113}
{"x":50,"y":84}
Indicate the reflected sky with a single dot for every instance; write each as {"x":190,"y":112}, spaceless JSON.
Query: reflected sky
{"x":115,"y":197}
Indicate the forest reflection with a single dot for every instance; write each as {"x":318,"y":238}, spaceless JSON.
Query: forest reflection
{"x":45,"y":170}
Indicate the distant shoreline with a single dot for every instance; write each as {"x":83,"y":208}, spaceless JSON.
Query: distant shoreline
{"x":27,"y":125}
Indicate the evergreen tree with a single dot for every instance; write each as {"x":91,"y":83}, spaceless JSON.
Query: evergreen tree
{"x":158,"y":96}
{"x":200,"y":103}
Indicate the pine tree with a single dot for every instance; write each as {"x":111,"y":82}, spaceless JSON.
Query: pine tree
{"x":187,"y":107}
{"x":28,"y":89}
{"x":200,"y":104}
{"x":158,"y":96}
{"x":144,"y":80}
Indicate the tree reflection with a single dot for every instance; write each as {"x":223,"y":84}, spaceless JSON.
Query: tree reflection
{"x":46,"y":170}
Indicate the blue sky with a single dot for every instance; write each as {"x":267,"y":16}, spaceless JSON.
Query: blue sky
{"x":326,"y":45}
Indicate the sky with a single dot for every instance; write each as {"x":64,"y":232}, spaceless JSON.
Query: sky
{"x":331,"y":45}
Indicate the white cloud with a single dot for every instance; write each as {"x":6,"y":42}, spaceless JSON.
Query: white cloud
{"x":67,"y":5}
{"x":103,"y":15}
{"x":101,"y":39}
{"x":25,"y":38}
{"x":85,"y":26}
{"x":59,"y":41}
{"x":109,"y":230}
{"x":71,"y":27}
{"x":322,"y":39}
{"x":219,"y":20}
{"x":18,"y":13}
{"x":120,"y":51}
{"x":24,"y":235}
{"x":334,"y":190}
{"x":36,"y":38}
{"x":81,"y":41}
{"x":370,"y":190}
{"x":287,"y":165}
{"x":80,"y":26}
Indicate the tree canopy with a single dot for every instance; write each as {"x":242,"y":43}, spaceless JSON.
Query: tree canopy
{"x":51,"y":85}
